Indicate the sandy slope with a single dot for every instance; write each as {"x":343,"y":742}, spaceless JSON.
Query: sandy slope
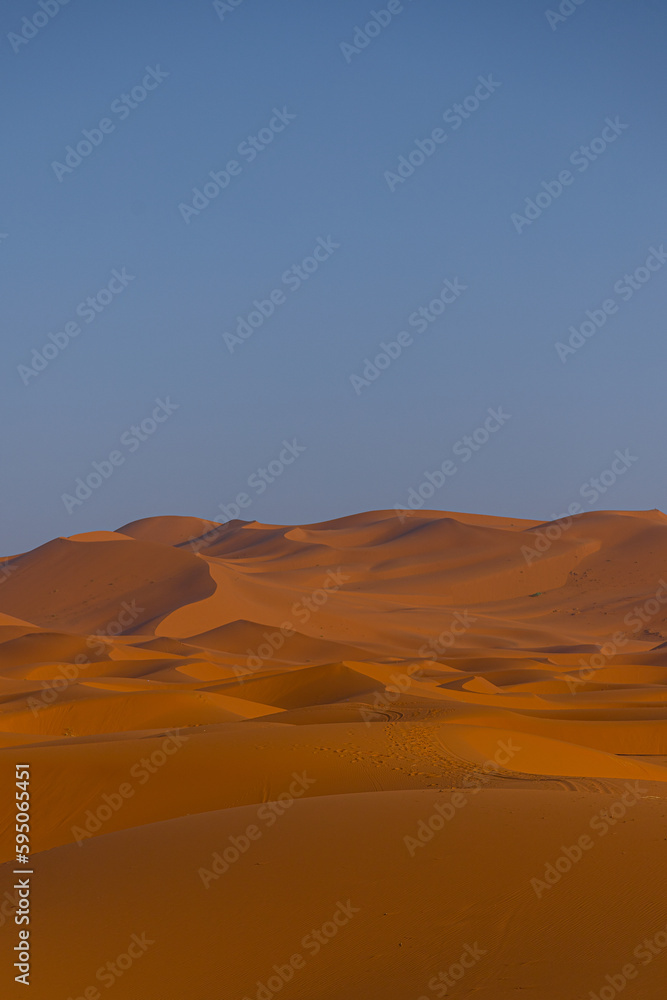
{"x":416,"y":735}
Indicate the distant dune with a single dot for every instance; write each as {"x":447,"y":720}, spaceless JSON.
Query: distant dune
{"x":386,"y":756}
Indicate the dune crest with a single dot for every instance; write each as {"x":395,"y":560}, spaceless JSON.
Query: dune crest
{"x":442,"y":703}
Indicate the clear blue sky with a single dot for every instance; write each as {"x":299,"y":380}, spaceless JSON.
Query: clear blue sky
{"x":219,"y":77}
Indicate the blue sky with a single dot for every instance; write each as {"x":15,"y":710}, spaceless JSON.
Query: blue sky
{"x":315,"y":213}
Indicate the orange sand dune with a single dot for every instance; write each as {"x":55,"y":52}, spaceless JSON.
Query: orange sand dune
{"x":398,"y":754}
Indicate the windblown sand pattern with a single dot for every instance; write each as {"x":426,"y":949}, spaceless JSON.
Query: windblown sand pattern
{"x":382,"y":756}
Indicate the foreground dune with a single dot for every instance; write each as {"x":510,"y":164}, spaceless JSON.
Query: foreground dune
{"x":396,"y":755}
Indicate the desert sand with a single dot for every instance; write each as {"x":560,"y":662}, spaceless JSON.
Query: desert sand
{"x":386,"y":756}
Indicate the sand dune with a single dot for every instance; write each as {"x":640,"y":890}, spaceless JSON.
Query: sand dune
{"x":370,"y":746}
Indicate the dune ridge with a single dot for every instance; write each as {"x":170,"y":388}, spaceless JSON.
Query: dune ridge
{"x":234,"y":730}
